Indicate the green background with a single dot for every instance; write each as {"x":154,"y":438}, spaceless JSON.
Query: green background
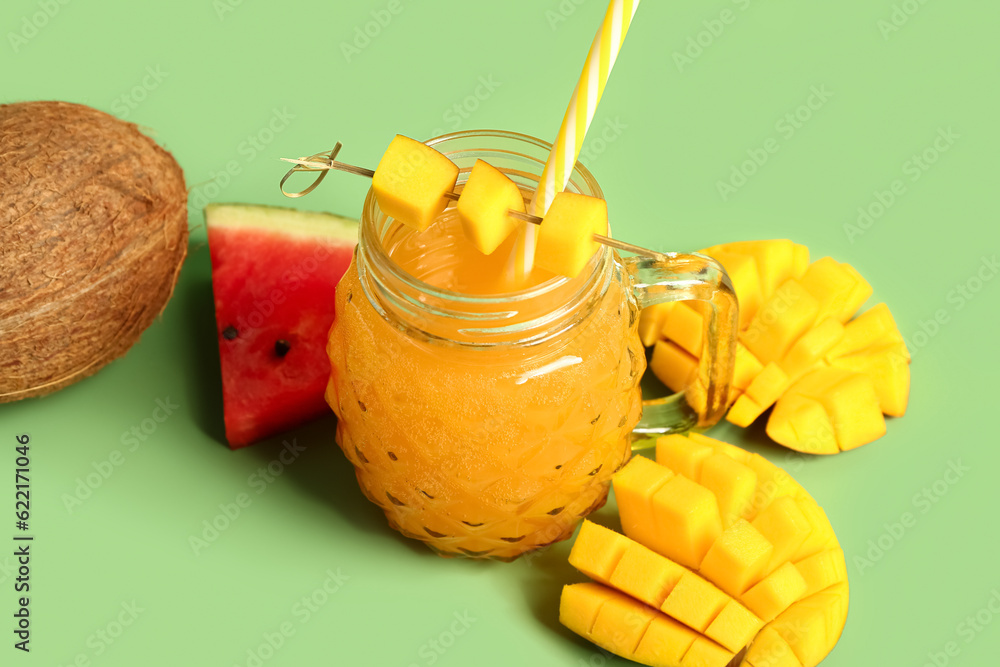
{"x":672,"y":132}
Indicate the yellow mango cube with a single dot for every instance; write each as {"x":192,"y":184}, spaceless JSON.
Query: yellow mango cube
{"x":672,"y":366}
{"x":579,"y":604}
{"x":781,"y":320}
{"x":621,"y":621}
{"x":811,"y":348}
{"x":776,"y":261}
{"x":745,"y":411}
{"x":737,"y":560}
{"x":839,"y":289}
{"x":706,"y":653}
{"x":411,"y":180}
{"x":822,"y":570}
{"x":765,"y":389}
{"x":889,"y":371}
{"x":769,"y":649}
{"x":483,"y":205}
{"x":772,"y":483}
{"x":849,"y":400}
{"x":565,"y":241}
{"x":821,"y":534}
{"x":686,"y":519}
{"x":734,"y":627}
{"x":694,"y":602}
{"x":800,"y":260}
{"x":597,"y":550}
{"x":646,"y":575}
{"x":806,"y":625}
{"x":802,"y":424}
{"x":733,"y":484}
{"x":732,"y":451}
{"x":651,"y":319}
{"x":746,"y":367}
{"x":685,"y":325}
{"x":862,"y":292}
{"x":871,"y":329}
{"x":665,"y":643}
{"x":853,"y":407}
{"x":634,"y":486}
{"x":784,"y":525}
{"x":775,"y":593}
{"x":742,"y":270}
{"x":682,"y":455}
{"x":768,"y":385}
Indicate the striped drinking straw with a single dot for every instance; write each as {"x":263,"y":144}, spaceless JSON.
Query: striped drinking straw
{"x":580,"y":112}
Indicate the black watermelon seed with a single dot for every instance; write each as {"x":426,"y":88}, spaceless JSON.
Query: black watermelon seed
{"x":281,"y":347}
{"x":230,"y":332}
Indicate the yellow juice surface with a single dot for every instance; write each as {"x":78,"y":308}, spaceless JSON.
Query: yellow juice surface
{"x":443,"y":257}
{"x":482,"y":452}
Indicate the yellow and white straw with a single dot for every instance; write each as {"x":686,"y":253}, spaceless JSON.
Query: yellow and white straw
{"x":580,"y":112}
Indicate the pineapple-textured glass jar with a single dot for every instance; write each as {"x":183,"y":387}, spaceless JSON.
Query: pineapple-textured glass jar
{"x":485,"y":420}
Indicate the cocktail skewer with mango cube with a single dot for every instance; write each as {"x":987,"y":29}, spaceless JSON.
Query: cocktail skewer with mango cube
{"x":414,"y":183}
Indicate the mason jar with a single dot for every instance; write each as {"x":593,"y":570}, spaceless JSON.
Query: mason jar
{"x":487,"y":424}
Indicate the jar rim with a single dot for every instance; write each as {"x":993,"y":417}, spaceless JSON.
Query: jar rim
{"x":370,"y":241}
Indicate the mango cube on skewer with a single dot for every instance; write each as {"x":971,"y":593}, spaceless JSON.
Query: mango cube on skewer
{"x":566,"y":236}
{"x":483,"y":206}
{"x":411,"y":182}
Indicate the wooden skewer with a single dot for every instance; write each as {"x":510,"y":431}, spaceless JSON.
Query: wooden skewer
{"x":324,"y":162}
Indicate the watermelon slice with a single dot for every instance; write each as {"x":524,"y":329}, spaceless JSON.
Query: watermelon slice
{"x":274,"y":272}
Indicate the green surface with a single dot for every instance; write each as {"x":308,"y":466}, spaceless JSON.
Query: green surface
{"x":672,"y":133}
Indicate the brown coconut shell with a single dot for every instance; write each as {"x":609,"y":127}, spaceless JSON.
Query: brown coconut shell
{"x":93,"y":232}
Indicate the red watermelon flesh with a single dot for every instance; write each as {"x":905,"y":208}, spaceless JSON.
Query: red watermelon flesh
{"x":274,"y":273}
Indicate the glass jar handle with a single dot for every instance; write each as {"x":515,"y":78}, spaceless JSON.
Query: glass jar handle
{"x":690,"y":277}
